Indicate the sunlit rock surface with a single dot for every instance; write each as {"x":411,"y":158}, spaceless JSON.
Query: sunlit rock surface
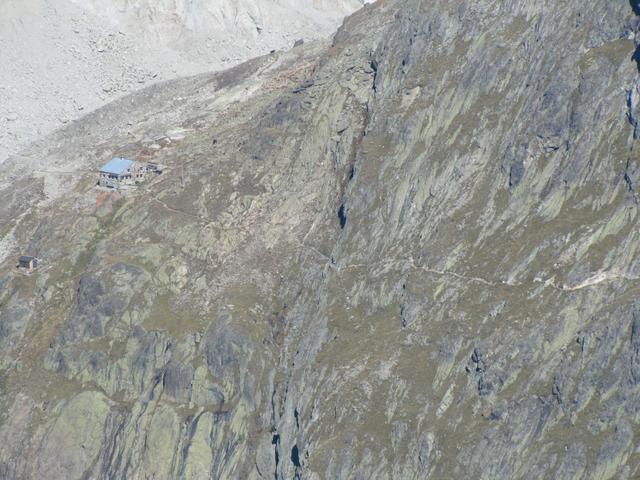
{"x":408,"y":253}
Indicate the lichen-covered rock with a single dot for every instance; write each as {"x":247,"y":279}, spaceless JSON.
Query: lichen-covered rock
{"x":74,"y":442}
{"x":410,"y":252}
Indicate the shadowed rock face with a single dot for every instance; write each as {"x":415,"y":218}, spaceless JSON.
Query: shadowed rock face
{"x":411,"y":253}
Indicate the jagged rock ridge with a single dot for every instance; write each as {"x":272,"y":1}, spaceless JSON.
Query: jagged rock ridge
{"x":64,"y":58}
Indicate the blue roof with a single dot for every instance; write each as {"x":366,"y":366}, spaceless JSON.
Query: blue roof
{"x":117,"y":166}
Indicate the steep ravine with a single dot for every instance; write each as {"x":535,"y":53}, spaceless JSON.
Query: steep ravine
{"x":407,"y":253}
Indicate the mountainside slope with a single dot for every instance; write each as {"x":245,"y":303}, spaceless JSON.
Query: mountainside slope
{"x":63,"y":58}
{"x":410,"y":253}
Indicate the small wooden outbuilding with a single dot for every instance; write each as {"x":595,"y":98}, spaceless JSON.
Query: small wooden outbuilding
{"x":27,"y":263}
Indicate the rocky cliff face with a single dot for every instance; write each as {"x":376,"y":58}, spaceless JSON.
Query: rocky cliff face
{"x":410,"y":253}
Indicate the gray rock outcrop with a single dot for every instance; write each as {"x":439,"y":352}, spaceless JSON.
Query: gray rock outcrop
{"x":412,"y":252}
